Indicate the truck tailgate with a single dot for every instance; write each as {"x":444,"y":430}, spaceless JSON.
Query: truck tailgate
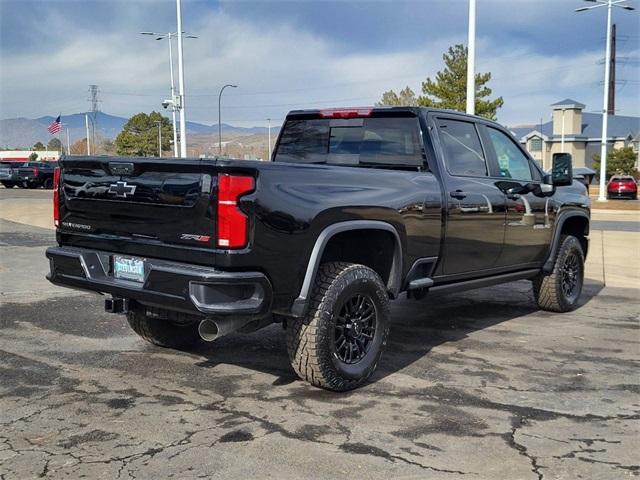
{"x":152,"y":201}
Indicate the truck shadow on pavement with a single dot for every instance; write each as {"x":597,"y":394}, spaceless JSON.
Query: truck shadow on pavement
{"x":416,"y":328}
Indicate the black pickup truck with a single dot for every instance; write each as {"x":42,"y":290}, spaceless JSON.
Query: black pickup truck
{"x":356,"y":207}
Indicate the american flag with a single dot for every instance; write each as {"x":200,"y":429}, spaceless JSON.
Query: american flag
{"x":55,"y":126}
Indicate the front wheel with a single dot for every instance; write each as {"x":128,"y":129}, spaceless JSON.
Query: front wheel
{"x":559,"y":290}
{"x":337,"y":345}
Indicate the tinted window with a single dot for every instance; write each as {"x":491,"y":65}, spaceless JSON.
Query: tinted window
{"x":511,"y":161}
{"x":462,"y":148}
{"x":357,"y":141}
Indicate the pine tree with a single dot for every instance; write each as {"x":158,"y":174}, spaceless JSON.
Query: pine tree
{"x":449,"y":90}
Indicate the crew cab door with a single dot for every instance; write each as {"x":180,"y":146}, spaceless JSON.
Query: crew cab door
{"x":475,"y":206}
{"x":528,"y":228}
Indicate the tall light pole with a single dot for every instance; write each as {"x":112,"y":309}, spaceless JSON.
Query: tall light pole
{"x":602,"y":195}
{"x":159,"y":122}
{"x":471,"y":60}
{"x":269,"y":120}
{"x":181,"y":106}
{"x":169,"y":36}
{"x":220,"y":116}
{"x":66,"y":127}
{"x":86,"y":126}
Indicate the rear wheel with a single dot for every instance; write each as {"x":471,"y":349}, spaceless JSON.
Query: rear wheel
{"x":163,"y":327}
{"x":8,"y":185}
{"x":48,"y":183}
{"x":559,"y":291}
{"x":338,"y":344}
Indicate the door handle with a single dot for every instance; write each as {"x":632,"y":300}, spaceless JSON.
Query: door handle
{"x":459,"y":194}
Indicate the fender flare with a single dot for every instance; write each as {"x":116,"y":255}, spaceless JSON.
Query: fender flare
{"x":300,"y":304}
{"x":555,"y":239}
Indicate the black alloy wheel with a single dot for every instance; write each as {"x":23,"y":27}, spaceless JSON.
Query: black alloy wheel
{"x":355,"y":329}
{"x":571,"y":277}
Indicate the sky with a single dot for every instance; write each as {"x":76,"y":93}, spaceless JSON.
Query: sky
{"x":287,"y":55}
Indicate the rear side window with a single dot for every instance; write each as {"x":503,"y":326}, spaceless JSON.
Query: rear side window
{"x":392,"y":141}
{"x":462,"y":149}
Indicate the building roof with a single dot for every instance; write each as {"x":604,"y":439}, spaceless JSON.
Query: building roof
{"x":568,"y":103}
{"x":619,"y":127}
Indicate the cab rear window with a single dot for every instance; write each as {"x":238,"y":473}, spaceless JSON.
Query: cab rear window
{"x":370,"y":141}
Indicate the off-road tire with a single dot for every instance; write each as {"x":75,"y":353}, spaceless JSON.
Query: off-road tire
{"x":163,"y":327}
{"x":548,"y":287}
{"x":311,"y":339}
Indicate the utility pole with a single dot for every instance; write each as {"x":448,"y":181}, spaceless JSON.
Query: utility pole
{"x":602,"y":195}
{"x":611,"y":109}
{"x":471,"y":60}
{"x":183,"y":121}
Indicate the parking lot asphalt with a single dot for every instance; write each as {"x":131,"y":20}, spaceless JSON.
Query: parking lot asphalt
{"x":473,"y":385}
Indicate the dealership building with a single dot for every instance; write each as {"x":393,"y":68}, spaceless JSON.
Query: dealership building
{"x":23,"y":155}
{"x":571,"y":130}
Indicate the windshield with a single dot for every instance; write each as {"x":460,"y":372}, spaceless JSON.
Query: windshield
{"x":390,"y":141}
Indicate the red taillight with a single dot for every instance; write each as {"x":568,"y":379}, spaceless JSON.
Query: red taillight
{"x":56,"y":197}
{"x":346,"y":112}
{"x":35,"y":172}
{"x":232,"y":223}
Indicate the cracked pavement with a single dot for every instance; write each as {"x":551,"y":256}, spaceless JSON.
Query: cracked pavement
{"x":477,"y":385}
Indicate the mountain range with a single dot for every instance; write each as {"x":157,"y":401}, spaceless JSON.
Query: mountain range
{"x":24,"y":132}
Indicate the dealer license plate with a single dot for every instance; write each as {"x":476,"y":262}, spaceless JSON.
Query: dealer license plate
{"x":128,"y":268}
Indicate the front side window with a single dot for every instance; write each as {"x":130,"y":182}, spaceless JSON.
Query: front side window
{"x":511,"y":161}
{"x":393,"y":141}
{"x":462,"y":148}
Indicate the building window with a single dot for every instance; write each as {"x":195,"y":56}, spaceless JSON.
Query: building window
{"x":536,"y":144}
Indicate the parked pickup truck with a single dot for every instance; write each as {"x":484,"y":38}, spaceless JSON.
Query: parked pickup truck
{"x":357,"y":207}
{"x":35,"y":174}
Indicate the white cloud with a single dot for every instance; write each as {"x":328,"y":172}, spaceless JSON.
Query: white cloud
{"x":299,"y":69}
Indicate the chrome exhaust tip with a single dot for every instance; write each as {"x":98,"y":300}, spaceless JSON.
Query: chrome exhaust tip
{"x":208,"y":330}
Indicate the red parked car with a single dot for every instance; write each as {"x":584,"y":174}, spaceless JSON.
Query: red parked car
{"x":622,"y":186}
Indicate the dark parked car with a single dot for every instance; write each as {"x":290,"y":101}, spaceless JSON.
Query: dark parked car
{"x":622,"y":186}
{"x":9,"y":174}
{"x":35,"y":174}
{"x":357,"y":206}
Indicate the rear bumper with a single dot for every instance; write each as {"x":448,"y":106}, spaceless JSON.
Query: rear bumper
{"x":622,"y":194}
{"x":171,"y":285}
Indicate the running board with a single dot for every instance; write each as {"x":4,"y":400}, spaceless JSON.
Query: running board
{"x":485,"y":282}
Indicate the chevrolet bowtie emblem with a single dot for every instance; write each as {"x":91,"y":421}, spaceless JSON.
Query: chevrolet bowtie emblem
{"x":121,"y":189}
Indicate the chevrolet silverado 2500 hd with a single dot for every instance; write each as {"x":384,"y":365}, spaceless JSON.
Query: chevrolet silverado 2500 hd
{"x":356,"y":207}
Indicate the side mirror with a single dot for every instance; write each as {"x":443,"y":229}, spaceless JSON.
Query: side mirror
{"x":562,"y":169}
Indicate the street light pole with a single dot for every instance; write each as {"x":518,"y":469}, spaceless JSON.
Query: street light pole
{"x":220,"y":116}
{"x":173,"y":94}
{"x":174,"y":106}
{"x":159,"y":122}
{"x":183,"y":119}
{"x":86,"y":126}
{"x":269,"y":138}
{"x":471,"y":59}
{"x":602,"y":195}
